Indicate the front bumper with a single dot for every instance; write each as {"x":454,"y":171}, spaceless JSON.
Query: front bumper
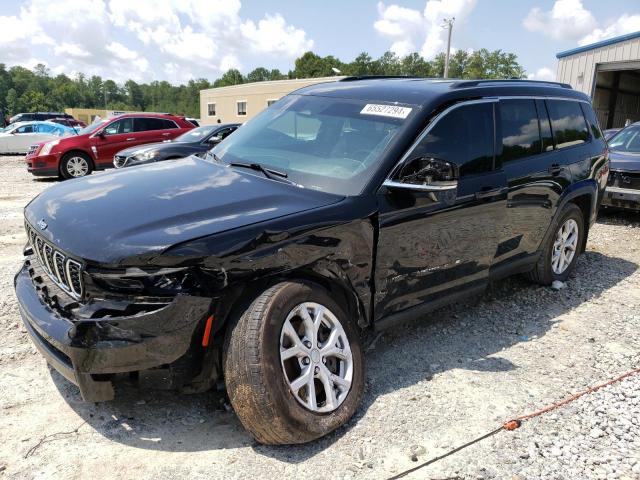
{"x":43,"y":165}
{"x":622,"y":198}
{"x":86,"y":351}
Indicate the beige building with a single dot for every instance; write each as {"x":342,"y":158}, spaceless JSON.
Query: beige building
{"x":239,"y":103}
{"x":608,"y":71}
{"x":88,"y":115}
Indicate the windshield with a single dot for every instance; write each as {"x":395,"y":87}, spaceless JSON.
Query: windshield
{"x":327,"y":144}
{"x":92,"y":128}
{"x":627,"y":140}
{"x":196,"y":134}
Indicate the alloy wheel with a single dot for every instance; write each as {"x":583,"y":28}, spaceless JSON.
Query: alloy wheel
{"x":565,"y":246}
{"x":77,"y":166}
{"x":316,"y":357}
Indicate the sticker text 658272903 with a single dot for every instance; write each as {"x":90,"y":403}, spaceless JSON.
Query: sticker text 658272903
{"x":386,"y":110}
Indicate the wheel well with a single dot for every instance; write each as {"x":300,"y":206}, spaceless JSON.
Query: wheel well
{"x":240,"y":298}
{"x":584,"y":204}
{"x":71,"y":152}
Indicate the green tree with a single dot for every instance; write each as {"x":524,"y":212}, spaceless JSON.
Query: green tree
{"x":259,"y":74}
{"x":230,"y":77}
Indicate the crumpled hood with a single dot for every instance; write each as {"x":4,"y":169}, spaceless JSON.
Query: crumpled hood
{"x":140,"y":211}
{"x":624,"y":161}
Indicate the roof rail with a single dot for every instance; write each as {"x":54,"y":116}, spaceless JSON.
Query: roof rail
{"x":475,"y":83}
{"x":374,"y":77}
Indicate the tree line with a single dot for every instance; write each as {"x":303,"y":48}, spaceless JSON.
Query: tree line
{"x":25,"y":90}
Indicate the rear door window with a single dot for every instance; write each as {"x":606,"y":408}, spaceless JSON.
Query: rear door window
{"x":520,"y":129}
{"x":568,"y":123}
{"x":147,"y":124}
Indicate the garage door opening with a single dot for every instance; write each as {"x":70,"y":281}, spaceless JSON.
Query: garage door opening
{"x":617,"y":96}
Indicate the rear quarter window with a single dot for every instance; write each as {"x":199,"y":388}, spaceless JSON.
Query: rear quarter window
{"x":568,"y":123}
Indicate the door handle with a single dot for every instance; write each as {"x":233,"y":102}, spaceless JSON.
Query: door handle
{"x":486,"y":193}
{"x":555,"y":169}
{"x":166,"y":134}
{"x":129,"y":139}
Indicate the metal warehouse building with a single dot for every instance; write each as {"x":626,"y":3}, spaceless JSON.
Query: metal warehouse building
{"x":608,"y":71}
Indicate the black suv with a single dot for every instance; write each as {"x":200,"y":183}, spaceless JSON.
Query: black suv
{"x":345,"y":206}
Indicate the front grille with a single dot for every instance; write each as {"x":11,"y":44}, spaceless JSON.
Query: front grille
{"x":629,"y":180}
{"x":119,"y":161}
{"x":64,"y":271}
{"x":32,"y":149}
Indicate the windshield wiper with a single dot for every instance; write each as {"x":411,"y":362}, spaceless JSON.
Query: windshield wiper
{"x":268,"y":172}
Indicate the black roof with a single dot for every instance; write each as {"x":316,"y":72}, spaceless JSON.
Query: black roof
{"x":427,"y":92}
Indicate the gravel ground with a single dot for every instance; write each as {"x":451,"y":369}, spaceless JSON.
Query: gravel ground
{"x":431,"y":386}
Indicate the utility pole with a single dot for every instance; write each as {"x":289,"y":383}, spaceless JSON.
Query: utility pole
{"x":448,"y":23}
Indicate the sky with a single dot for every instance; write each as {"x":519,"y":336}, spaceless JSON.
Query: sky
{"x":177,"y":40}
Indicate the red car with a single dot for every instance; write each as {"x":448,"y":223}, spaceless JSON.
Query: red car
{"x":94,"y":146}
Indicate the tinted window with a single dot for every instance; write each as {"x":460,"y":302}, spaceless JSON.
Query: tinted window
{"x":520,"y":129}
{"x":146,"y":124}
{"x":567,"y":122}
{"x":124,"y":125}
{"x":465,"y":137}
{"x":545,"y":126}
{"x":590,"y":115}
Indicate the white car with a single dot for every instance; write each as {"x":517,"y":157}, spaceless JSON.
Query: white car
{"x":18,"y":137}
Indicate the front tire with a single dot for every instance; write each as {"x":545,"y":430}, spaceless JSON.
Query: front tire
{"x":560,"y":252}
{"x":75,"y":165}
{"x":293,"y":364}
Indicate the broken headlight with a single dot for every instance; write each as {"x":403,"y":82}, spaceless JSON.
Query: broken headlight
{"x":157,"y":282}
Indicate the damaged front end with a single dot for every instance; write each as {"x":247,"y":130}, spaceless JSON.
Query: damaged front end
{"x":148,"y":323}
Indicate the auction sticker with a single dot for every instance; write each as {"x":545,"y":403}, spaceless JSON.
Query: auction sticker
{"x":386,"y":110}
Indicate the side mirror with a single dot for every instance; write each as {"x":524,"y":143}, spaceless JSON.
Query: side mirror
{"x":426,"y":174}
{"x":215,"y":139}
{"x":100,"y":133}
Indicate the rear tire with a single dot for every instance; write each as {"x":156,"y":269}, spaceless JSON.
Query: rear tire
{"x":75,"y":165}
{"x":276,"y":370}
{"x":559,"y":254}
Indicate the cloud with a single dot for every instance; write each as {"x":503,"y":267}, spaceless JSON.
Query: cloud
{"x":624,"y":24}
{"x":569,"y":20}
{"x":406,"y":27}
{"x":174,"y":40}
{"x":543,"y":73}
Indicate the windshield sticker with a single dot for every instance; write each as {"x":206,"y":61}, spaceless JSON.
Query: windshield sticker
{"x":386,"y":110}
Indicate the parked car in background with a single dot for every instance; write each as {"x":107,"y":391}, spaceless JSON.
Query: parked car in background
{"x":193,"y":142}
{"x":19,"y":137}
{"x":610,"y":133}
{"x":69,"y":122}
{"x":352,"y":205}
{"x":623,"y":188}
{"x":94,"y":146}
{"x":40,"y":116}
